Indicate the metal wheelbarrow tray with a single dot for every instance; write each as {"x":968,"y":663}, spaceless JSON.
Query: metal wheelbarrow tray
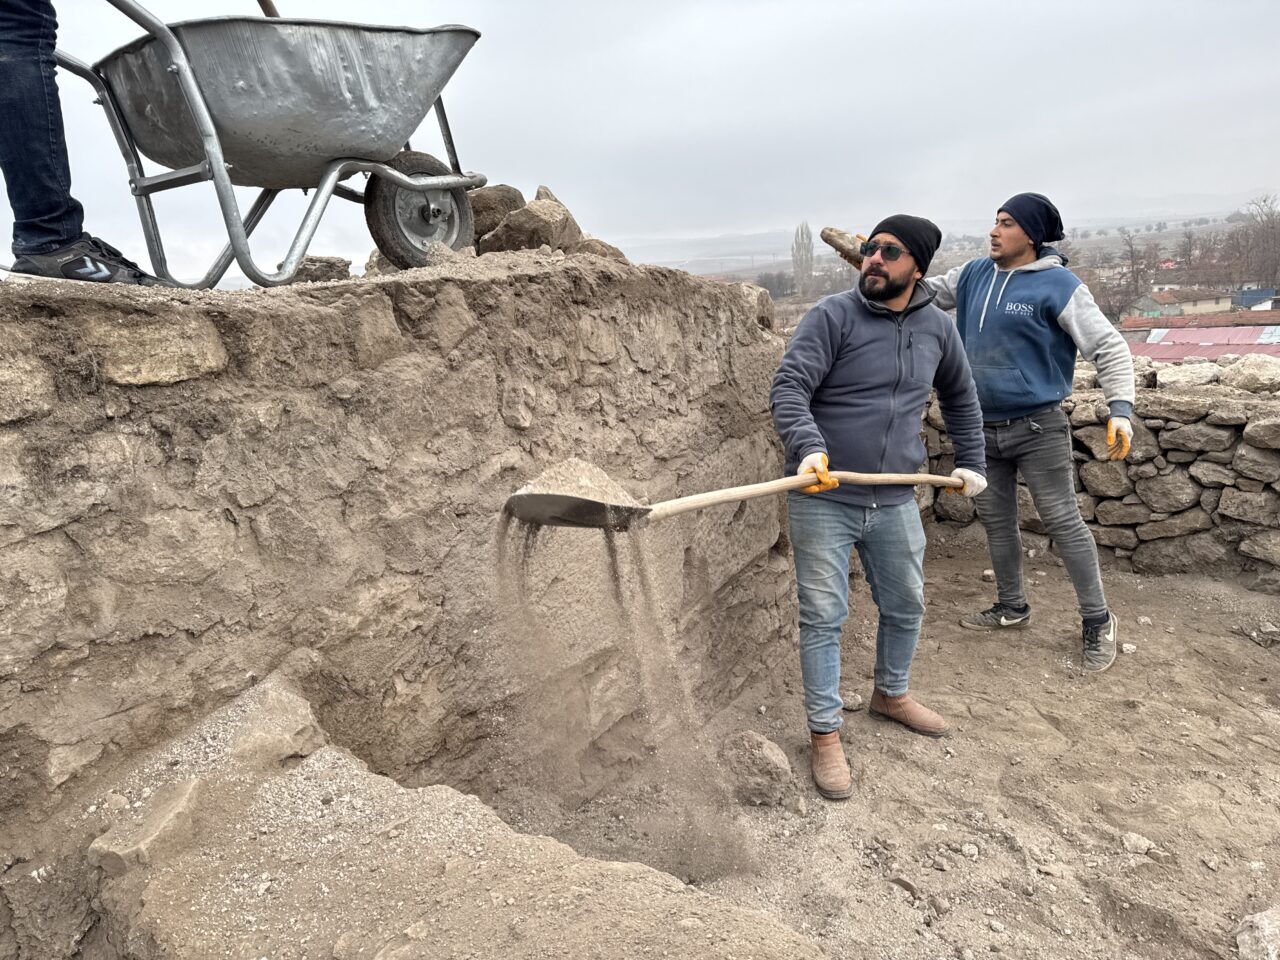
{"x":285,"y":103}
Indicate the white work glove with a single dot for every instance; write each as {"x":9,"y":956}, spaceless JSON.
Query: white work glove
{"x":1119,"y":436}
{"x":816,"y":463}
{"x":974,"y":482}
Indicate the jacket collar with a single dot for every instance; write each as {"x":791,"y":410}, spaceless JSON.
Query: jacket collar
{"x":921,"y":296}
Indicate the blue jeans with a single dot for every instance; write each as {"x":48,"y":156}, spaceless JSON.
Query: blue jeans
{"x":1039,"y":448}
{"x":33,"y":146}
{"x":890,"y":543}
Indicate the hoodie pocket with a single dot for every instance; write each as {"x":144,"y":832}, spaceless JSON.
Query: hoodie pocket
{"x":1001,"y":389}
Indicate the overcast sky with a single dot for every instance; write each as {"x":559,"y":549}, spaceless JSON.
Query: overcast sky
{"x":703,"y":117}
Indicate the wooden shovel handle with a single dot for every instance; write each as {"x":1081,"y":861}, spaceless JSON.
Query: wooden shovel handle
{"x":268,"y":8}
{"x":669,"y":508}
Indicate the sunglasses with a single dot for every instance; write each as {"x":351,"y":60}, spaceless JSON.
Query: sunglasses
{"x":888,"y":251}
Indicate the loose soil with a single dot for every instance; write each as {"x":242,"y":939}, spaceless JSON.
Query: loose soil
{"x":1009,"y":837}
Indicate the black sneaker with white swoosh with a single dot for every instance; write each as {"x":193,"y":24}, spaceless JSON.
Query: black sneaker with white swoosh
{"x":999,"y":617}
{"x":88,"y":259}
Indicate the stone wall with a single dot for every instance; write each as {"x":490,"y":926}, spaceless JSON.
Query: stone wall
{"x":1200,"y":490}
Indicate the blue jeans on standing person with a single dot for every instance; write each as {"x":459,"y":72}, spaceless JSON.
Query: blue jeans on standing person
{"x":890,"y":543}
{"x":1038,"y":447}
{"x":33,"y":146}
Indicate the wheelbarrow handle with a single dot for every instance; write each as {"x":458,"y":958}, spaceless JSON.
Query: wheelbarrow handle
{"x":670,"y":508}
{"x":268,"y":8}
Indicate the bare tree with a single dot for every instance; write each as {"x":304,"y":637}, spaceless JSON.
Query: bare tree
{"x":1264,"y":238}
{"x":802,"y":259}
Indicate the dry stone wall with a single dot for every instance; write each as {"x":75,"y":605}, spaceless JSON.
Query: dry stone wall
{"x":1200,"y":490}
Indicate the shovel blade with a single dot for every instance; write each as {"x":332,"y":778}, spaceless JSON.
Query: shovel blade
{"x":560,"y":510}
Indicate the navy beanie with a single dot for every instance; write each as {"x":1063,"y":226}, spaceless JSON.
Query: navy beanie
{"x":1036,"y":215}
{"x":921,"y":237}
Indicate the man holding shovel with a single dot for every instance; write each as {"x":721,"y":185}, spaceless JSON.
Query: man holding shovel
{"x":849,"y":395}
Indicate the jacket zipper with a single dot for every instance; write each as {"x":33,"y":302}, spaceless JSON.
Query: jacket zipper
{"x":893,"y":403}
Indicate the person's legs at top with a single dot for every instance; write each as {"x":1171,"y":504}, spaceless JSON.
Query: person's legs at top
{"x":997,"y":508}
{"x":33,"y":146}
{"x":48,"y":222}
{"x":823,"y":532}
{"x":892,"y":552}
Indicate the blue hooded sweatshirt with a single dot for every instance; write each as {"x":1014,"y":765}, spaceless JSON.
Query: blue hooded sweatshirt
{"x":1022,"y":329}
{"x":854,"y":382}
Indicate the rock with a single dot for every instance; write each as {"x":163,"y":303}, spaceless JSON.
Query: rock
{"x":1197,"y":436}
{"x":1179,"y":407}
{"x":321,"y":270}
{"x":1105,"y":478}
{"x":1028,"y":519}
{"x":1254,"y":373}
{"x":1262,"y":507}
{"x":1187,"y":375}
{"x":1128,"y":648}
{"x":280,"y":728}
{"x":1086,"y":413}
{"x":1199,"y":552}
{"x":1249,"y":485}
{"x":1136,"y":843}
{"x":951,"y":507}
{"x":1140,"y":470}
{"x":850,"y":702}
{"x":144,"y":350}
{"x":761,"y":771}
{"x":544,"y":193}
{"x":167,"y":827}
{"x":1122,"y":537}
{"x":489,"y":205}
{"x":989,"y":575}
{"x":1179,"y":525}
{"x":26,"y":388}
{"x":377,"y":265}
{"x":1212,"y":474}
{"x":538,"y":223}
{"x":599,"y":248}
{"x":1116,"y":512}
{"x":1228,"y":411}
{"x":1257,"y":462}
{"x":1263,"y":546}
{"x":1258,"y":935}
{"x":1209,"y":500}
{"x":1169,"y":493}
{"x":1263,"y":432}
{"x":1180,"y":456}
{"x":1088,"y":504}
{"x":1085,"y":378}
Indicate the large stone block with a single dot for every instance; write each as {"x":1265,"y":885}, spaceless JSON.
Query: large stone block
{"x":1257,"y":462}
{"x":1169,"y":493}
{"x":1182,"y":407}
{"x":1256,"y":373}
{"x":167,"y":828}
{"x":1199,"y":552}
{"x":1122,"y":537}
{"x":490,"y":205}
{"x":1197,"y":436}
{"x":152,"y":350}
{"x":539,"y":223}
{"x":1211,"y":474}
{"x":1105,"y":478}
{"x":1179,"y":525}
{"x":1263,"y":546}
{"x":1187,"y":375}
{"x":1116,"y":512}
{"x":1262,"y":507}
{"x":1144,"y":446}
{"x":1263,"y":432}
{"x":1258,"y":936}
{"x":26,"y":388}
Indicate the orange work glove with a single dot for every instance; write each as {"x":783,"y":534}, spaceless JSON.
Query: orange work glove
{"x":1119,"y":436}
{"x":816,"y":463}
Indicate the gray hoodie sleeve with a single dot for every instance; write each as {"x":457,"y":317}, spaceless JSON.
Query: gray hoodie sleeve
{"x":943,"y":286}
{"x":1098,"y":340}
{"x":958,"y":397}
{"x":805,"y":364}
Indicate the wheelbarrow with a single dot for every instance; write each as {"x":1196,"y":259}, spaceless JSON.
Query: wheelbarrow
{"x":284,"y":104}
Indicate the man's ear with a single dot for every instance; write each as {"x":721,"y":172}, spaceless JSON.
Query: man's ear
{"x":919,"y":276}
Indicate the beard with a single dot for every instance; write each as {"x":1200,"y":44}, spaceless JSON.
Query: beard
{"x":888,"y":289}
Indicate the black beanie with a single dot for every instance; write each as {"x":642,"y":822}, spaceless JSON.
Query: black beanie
{"x":1038,"y":218}
{"x":921,"y":237}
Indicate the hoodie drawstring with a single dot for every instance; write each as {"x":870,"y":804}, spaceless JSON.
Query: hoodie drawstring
{"x":1008,"y":276}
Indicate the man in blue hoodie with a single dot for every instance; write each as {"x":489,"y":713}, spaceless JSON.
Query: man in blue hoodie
{"x":1023,"y":317}
{"x":849,"y":395}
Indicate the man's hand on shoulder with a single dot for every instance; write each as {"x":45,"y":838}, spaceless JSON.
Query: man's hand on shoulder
{"x":816,"y":464}
{"x":1119,"y":437}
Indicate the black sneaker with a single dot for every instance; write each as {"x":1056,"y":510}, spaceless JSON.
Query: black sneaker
{"x":1100,"y":645}
{"x":87,"y":259}
{"x":1000,"y":617}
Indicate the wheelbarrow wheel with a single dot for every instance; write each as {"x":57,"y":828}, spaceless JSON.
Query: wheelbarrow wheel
{"x":404,"y":223}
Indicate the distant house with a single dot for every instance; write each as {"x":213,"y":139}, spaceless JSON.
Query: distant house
{"x":1203,"y":335}
{"x":1181,"y":302}
{"x":1247,"y":298}
{"x":1263,"y":305}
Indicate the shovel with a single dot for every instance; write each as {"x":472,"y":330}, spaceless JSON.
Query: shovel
{"x":563,"y":510}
